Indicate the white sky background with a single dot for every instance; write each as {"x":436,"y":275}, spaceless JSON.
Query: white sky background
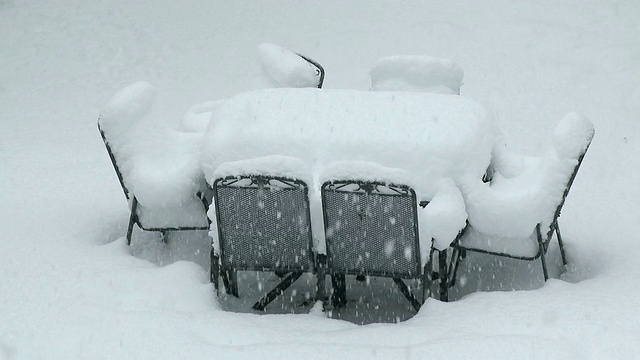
{"x":65,"y":294}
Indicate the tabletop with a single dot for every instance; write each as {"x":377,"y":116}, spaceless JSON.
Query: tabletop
{"x":430,"y":136}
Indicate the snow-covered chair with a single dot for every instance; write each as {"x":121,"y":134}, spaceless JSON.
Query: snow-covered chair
{"x":263,"y":224}
{"x":371,"y":229}
{"x":163,"y":186}
{"x":416,"y":73}
{"x":537,"y":188}
{"x":285,"y":68}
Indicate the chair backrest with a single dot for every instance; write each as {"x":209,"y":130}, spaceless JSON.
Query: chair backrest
{"x":263,"y":223}
{"x":556,"y":215}
{"x":113,"y":161}
{"x":319,"y":69}
{"x":371,"y":228}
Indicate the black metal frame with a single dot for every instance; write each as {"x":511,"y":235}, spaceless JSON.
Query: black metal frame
{"x":229,"y":273}
{"x":133,"y":217}
{"x":543,"y":244}
{"x":423,"y":274}
{"x":318,"y":66}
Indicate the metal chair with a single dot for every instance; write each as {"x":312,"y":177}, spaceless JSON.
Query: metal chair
{"x":472,"y":240}
{"x":162,"y":220}
{"x":263,"y":224}
{"x":371,"y":229}
{"x":318,"y":68}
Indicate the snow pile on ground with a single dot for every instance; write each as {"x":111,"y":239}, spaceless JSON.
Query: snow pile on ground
{"x":416,"y":73}
{"x":287,"y":69}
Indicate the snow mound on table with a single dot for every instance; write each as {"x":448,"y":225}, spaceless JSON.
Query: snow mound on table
{"x":442,"y":219}
{"x":160,"y":167}
{"x":286,"y":68}
{"x":416,"y":138}
{"x":416,"y":73}
{"x":167,"y":173}
{"x":197,"y":118}
{"x":431,"y":136}
{"x":510,"y":207}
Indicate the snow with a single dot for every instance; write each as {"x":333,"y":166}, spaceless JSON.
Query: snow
{"x":572,"y":135}
{"x":431,"y":136}
{"x":418,"y":140}
{"x":365,"y":171}
{"x":510,"y":207}
{"x":285,"y":166}
{"x":126,"y":107}
{"x":71,"y":289}
{"x":197,"y":118}
{"x":286,"y":68}
{"x":443,"y":218}
{"x":416,"y":73}
{"x":159,"y":166}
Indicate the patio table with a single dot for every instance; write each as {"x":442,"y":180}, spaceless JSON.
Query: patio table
{"x":427,"y":141}
{"x":431,"y":136}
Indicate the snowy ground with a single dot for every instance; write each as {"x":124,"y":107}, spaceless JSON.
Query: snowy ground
{"x":71,"y":289}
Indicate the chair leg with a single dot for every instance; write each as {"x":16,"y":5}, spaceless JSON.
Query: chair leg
{"x":230,"y":279}
{"x":132,"y":219}
{"x":564,"y":256}
{"x":215,"y":271}
{"x":165,"y":236}
{"x":339,"y":286}
{"x":321,"y":272}
{"x":407,"y":293}
{"x":453,"y":267}
{"x":277,"y":291}
{"x":542,"y":251}
{"x":427,"y":278}
{"x":444,"y":282}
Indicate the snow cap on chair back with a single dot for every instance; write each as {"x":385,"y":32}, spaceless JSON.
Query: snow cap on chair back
{"x":572,"y":135}
{"x":418,"y":73}
{"x":285,"y":68}
{"x":125,"y":107}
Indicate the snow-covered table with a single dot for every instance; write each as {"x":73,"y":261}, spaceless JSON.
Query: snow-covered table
{"x":430,"y":137}
{"x":428,"y":141}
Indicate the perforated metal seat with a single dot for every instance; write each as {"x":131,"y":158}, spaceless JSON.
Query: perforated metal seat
{"x":263,"y":225}
{"x":372,"y":230}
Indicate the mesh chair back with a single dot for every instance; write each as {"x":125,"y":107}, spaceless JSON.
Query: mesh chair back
{"x":371,"y":229}
{"x":263,"y":223}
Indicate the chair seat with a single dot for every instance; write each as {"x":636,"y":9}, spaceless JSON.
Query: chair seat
{"x":189,"y":215}
{"x":516,"y":247}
